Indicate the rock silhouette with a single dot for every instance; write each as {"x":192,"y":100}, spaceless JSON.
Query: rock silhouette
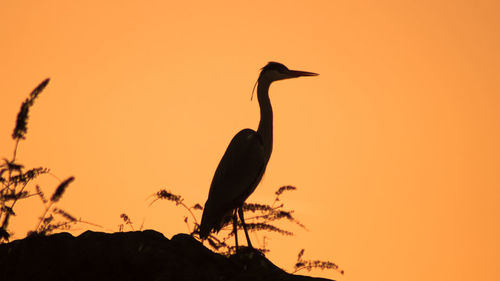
{"x":138,"y":255}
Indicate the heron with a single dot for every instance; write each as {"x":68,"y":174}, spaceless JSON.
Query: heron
{"x":244,"y":162}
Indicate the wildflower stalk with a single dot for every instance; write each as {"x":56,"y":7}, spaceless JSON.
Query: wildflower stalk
{"x":55,"y":197}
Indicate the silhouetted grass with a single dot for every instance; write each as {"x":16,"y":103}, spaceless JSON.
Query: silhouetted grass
{"x":16,"y":182}
{"x":259,"y":218}
{"x":22,"y":117}
{"x":314,"y":264}
{"x":163,"y":194}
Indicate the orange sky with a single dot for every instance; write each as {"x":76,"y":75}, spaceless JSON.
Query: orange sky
{"x":394,"y":148}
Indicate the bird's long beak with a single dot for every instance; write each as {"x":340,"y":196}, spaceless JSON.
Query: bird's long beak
{"x":298,"y":73}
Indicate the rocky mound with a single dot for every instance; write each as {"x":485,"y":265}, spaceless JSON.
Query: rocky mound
{"x":139,"y":255}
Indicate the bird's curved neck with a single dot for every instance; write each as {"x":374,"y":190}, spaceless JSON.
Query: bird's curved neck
{"x":266,"y":116}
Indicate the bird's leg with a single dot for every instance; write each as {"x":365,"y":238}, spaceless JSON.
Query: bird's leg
{"x":240,"y":212}
{"x":235,"y":228}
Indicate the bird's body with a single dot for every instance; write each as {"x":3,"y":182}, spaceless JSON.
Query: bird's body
{"x":244,"y":162}
{"x":244,"y":153}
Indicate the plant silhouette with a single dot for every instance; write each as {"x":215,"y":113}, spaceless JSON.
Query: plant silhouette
{"x":16,"y":183}
{"x":261,"y":218}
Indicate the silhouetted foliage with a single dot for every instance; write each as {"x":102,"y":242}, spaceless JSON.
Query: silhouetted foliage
{"x":126,"y":221}
{"x":259,"y":218}
{"x":48,"y":223}
{"x":40,"y":193}
{"x":15,"y":183}
{"x":283,"y":189}
{"x":314,"y":264}
{"x":163,"y":194}
{"x":22,"y":117}
{"x":60,"y":189}
{"x":262,"y":219}
{"x":265,"y":227}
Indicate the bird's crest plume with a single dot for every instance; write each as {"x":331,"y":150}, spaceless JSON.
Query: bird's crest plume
{"x":253,"y":90}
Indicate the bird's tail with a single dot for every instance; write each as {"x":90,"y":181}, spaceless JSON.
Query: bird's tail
{"x":213,"y":219}
{"x":205,"y":225}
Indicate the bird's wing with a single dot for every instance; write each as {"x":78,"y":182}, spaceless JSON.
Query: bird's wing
{"x":236,"y":177}
{"x":240,"y":169}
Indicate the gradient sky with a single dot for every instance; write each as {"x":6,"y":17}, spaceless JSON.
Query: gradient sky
{"x":394,"y":148}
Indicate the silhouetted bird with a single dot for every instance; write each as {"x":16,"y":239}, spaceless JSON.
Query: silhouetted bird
{"x":243,"y":165}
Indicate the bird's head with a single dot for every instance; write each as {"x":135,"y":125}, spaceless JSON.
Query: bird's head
{"x":275,"y":71}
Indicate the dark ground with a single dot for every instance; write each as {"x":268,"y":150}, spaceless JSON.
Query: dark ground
{"x":140,"y":255}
